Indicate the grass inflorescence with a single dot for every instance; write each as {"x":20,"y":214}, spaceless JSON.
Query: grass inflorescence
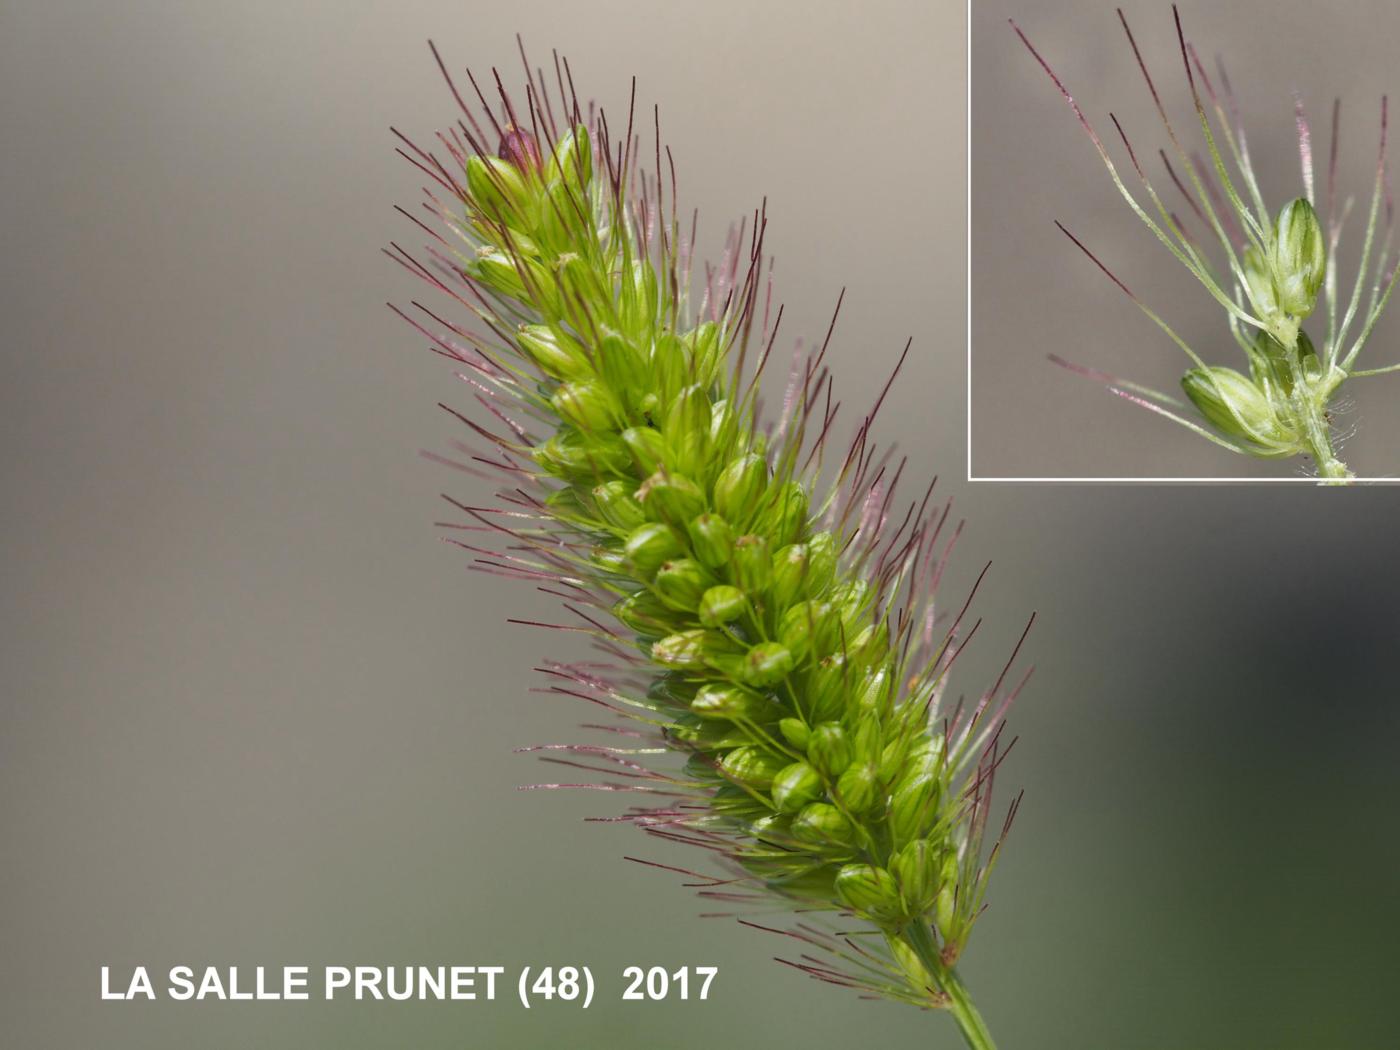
{"x":775,"y":631}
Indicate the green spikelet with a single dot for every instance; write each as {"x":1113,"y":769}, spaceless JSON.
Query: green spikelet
{"x":783,"y":642}
{"x":1270,"y":271}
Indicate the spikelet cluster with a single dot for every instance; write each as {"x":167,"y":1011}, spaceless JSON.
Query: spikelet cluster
{"x":1271,"y":272}
{"x":776,"y":632}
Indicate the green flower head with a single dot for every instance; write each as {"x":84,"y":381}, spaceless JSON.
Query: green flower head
{"x":768,"y":638}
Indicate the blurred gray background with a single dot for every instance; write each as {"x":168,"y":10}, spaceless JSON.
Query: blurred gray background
{"x":1034,"y":293}
{"x":254,"y":712}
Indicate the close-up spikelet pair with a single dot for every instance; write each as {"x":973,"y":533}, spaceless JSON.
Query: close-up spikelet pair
{"x":1265,"y":268}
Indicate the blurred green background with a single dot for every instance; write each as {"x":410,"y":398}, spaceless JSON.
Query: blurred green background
{"x":255,"y":713}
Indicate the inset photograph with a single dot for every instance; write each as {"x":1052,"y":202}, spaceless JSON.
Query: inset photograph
{"x":1183,"y":251}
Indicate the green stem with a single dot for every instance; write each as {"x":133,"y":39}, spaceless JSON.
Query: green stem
{"x":1309,"y":407}
{"x":974,"y":1030}
{"x":1319,"y":441}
